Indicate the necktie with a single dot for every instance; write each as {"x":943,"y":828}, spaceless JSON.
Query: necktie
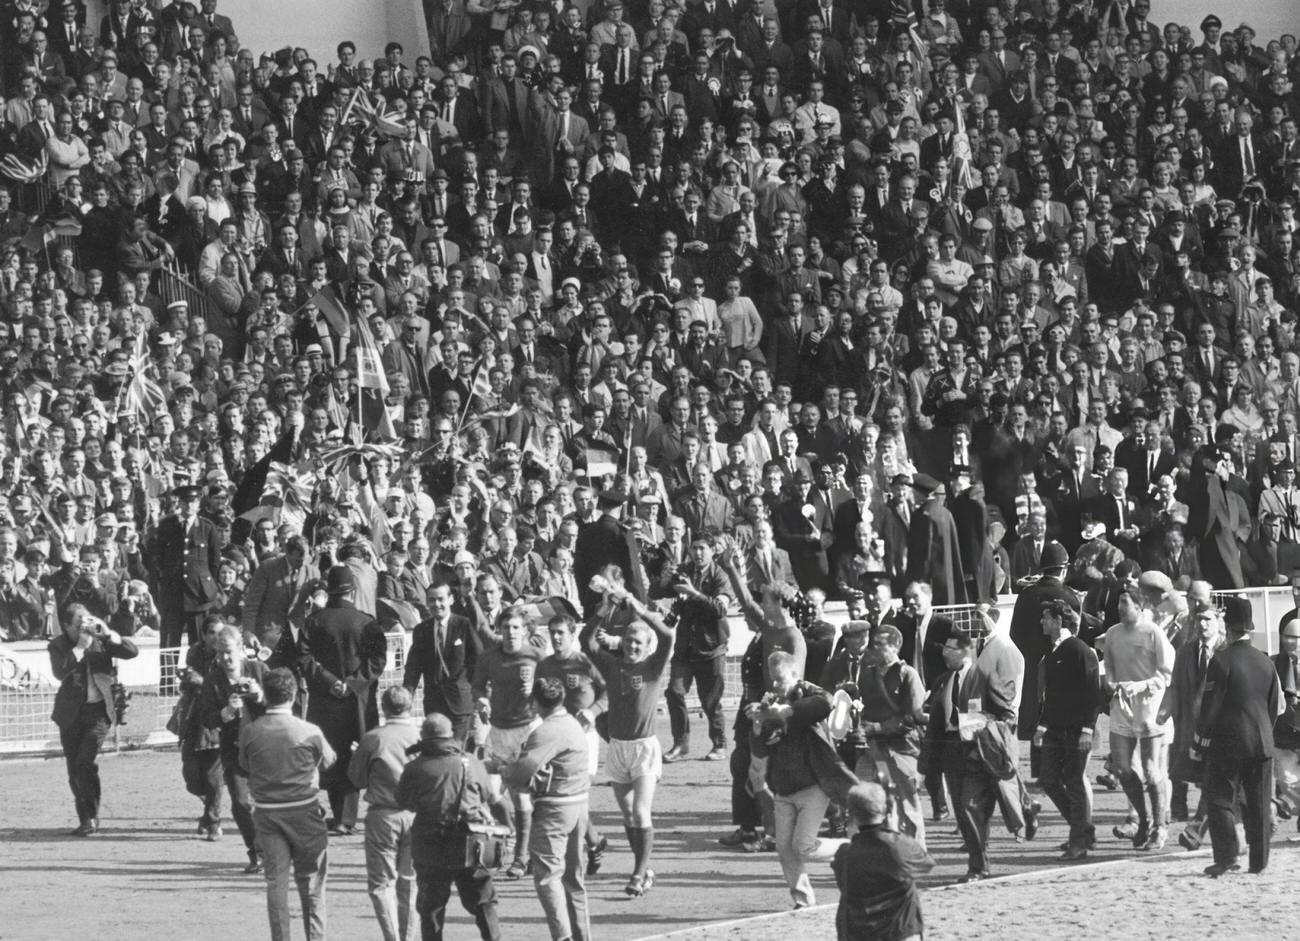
{"x":1247,"y":157}
{"x":622,"y":68}
{"x":954,"y":693}
{"x":1203,"y":662}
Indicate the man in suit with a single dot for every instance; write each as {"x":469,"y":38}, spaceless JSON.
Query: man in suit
{"x":342,"y":653}
{"x":274,"y":598}
{"x":893,"y":524}
{"x":1143,"y":457}
{"x":186,"y":553}
{"x":81,"y":659}
{"x":561,"y":134}
{"x":1242,"y":156}
{"x":943,"y":752}
{"x":992,"y":687}
{"x":505,"y":99}
{"x":444,"y":653}
{"x":1286,"y":730}
{"x":703,"y":508}
{"x":804,"y":531}
{"x":766,"y":564}
{"x":924,"y":632}
{"x":1234,"y":737}
{"x":400,"y":157}
{"x":1026,"y":630}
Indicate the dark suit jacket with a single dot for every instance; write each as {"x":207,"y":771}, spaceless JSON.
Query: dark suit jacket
{"x":446,"y":669}
{"x":337,"y":643}
{"x":715,"y":513}
{"x":75,"y":676}
{"x":779,"y":572}
{"x":1239,"y":706}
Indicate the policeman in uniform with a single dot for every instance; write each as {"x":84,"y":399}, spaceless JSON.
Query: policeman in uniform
{"x":342,"y":651}
{"x":1234,"y":737}
{"x":186,"y":555}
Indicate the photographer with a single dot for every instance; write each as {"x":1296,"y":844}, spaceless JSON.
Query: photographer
{"x":701,"y":648}
{"x":447,"y":788}
{"x":231,"y":698}
{"x":136,"y":613}
{"x":81,"y":659}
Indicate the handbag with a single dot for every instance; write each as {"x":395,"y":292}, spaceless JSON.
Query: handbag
{"x":478,"y":845}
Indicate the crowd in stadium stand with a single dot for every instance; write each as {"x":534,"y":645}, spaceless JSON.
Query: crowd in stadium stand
{"x":606,"y":320}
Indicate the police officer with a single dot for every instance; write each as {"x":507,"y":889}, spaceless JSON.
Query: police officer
{"x":342,"y":654}
{"x":186,"y":554}
{"x":1234,"y":736}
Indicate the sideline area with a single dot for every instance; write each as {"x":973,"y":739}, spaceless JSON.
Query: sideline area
{"x":148,"y":870}
{"x":1151,"y":897}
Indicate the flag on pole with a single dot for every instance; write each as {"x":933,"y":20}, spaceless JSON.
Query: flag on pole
{"x":332,"y":309}
{"x":599,"y":463}
{"x":143,"y":395}
{"x":370,"y":367}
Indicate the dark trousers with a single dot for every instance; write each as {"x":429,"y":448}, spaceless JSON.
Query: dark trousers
{"x":974,"y":809}
{"x":1062,"y":775}
{"x":1240,"y":790}
{"x":708,"y":680}
{"x":81,"y":740}
{"x":745,"y":810}
{"x":241,"y":801}
{"x":477,"y":893}
{"x":179,"y":627}
{"x":934,"y":787}
{"x":202,"y":773}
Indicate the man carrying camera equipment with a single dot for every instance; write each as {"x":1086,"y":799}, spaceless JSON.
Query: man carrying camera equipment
{"x":447,"y":789}
{"x":553,"y":767}
{"x":377,"y":766}
{"x":283,"y":756}
{"x":889,"y":711}
{"x":85,"y":709}
{"x":230,"y":699}
{"x":198,"y":766}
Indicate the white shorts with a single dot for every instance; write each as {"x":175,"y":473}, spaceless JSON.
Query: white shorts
{"x":504,"y":745}
{"x":629,"y":759}
{"x":1122,"y":725}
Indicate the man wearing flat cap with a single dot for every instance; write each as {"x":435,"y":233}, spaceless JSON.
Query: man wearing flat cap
{"x":342,"y":652}
{"x":186,"y":553}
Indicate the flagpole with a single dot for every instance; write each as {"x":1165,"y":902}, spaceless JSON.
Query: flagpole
{"x":360,"y":393}
{"x":469,"y":399}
